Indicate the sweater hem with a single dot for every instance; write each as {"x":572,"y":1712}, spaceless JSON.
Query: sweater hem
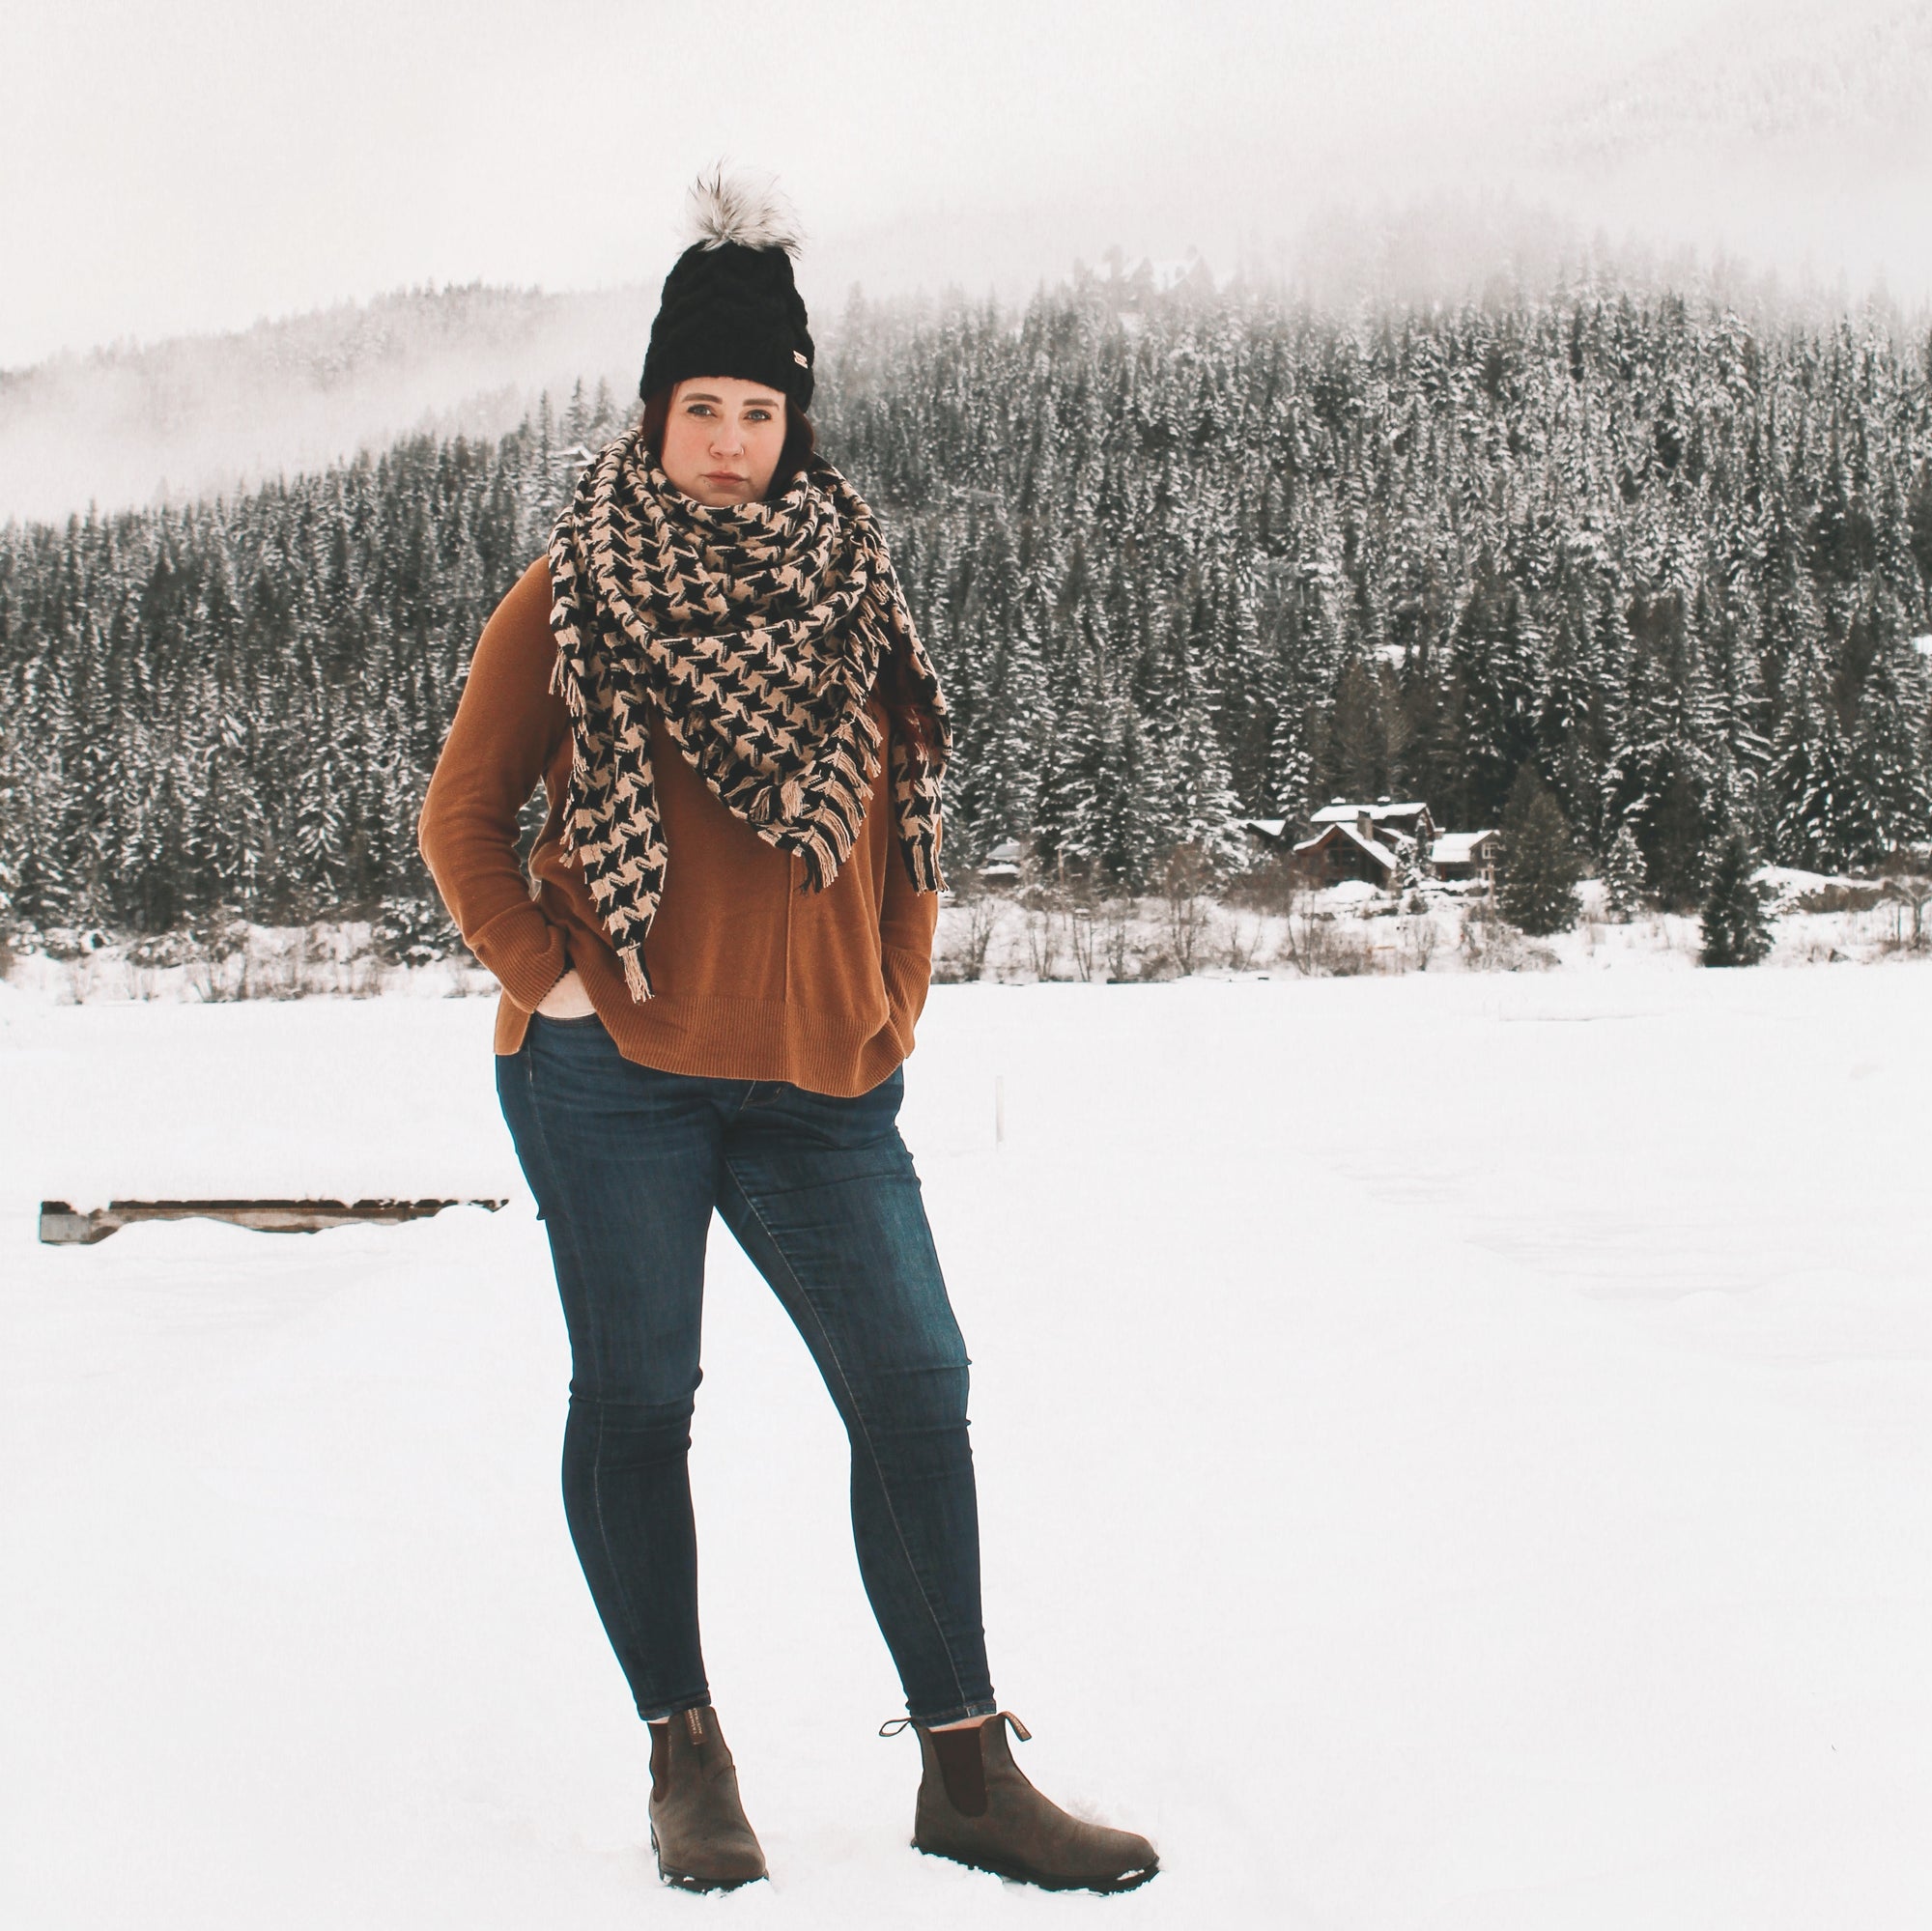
{"x":720,"y":1037}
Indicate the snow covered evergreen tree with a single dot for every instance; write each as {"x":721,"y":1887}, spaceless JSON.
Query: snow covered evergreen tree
{"x":1540,"y":865}
{"x":1822,"y":823}
{"x":1196,"y":788}
{"x":1232,"y":558}
{"x":1624,"y":877}
{"x":1735,"y":929}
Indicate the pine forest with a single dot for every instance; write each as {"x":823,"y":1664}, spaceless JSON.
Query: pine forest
{"x":1181,"y":557}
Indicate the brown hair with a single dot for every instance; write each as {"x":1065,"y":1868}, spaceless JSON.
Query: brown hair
{"x":912,"y":721}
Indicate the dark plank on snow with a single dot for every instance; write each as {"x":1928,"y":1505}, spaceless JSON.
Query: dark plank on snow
{"x":61,"y":1225}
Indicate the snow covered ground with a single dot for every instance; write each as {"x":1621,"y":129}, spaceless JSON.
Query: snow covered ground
{"x":1454,"y":1452}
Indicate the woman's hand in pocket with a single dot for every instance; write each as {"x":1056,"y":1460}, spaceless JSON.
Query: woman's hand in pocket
{"x":567,"y":999}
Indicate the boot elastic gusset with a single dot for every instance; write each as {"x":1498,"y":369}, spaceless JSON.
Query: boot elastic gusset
{"x":698,"y":1827}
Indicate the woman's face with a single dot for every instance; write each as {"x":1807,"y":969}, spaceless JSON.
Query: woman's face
{"x":723,"y":438}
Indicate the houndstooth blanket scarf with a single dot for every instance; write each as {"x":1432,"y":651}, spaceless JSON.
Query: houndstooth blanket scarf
{"x":755,"y":632}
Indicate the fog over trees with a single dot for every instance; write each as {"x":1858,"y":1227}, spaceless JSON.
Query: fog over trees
{"x":1180,"y":555}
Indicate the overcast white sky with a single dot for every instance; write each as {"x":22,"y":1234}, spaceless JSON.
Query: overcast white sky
{"x":196,"y":166}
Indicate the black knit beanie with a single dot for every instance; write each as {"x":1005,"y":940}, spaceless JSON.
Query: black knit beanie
{"x":729,"y":306}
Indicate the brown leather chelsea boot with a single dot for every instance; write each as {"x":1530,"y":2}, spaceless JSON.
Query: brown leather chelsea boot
{"x":698,"y":1823}
{"x":977,"y":1806}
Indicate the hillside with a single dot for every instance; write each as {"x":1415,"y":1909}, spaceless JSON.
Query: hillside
{"x":203,"y":416}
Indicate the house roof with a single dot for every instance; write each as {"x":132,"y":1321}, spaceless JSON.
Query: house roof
{"x":1456,"y":847}
{"x":1374,"y":848}
{"x":1271,"y":827}
{"x":1339,"y":815}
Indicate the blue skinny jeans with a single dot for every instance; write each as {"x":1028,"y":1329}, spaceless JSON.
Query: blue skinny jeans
{"x":627,"y":1163}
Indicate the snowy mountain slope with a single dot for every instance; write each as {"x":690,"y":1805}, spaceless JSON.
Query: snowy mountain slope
{"x":1795,"y":139}
{"x":1778,"y":153}
{"x":194,"y":415}
{"x":1788,"y":137}
{"x":1766,"y":88}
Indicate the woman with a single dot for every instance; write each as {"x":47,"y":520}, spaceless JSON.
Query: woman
{"x":710,"y":984}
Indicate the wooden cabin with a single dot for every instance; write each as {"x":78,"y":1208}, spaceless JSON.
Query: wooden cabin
{"x":1003,"y":863}
{"x":1466,"y":855}
{"x":1409,"y":818}
{"x":1341,"y":852}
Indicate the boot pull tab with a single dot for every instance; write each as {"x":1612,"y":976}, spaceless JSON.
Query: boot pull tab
{"x":1020,"y":1730}
{"x":694,"y":1728}
{"x":893,"y":1728}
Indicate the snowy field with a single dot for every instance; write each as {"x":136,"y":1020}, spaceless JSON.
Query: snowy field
{"x":1454,"y":1451}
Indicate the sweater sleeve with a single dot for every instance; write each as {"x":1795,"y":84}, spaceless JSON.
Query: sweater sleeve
{"x":508,"y":725}
{"x":907,"y":918}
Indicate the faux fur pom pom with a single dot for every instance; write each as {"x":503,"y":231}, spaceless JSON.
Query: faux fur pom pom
{"x":742,"y":208}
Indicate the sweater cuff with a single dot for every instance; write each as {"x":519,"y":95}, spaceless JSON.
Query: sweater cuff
{"x":524,"y":952}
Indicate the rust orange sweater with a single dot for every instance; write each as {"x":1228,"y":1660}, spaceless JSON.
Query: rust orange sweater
{"x":752,"y":978}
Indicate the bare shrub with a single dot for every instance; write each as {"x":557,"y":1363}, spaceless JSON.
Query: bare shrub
{"x":1271,"y":887}
{"x":981,"y":914}
{"x":1304,"y":939}
{"x":1421,"y":934}
{"x":1153,"y":966}
{"x":1243,"y":941}
{"x":274,"y":965}
{"x":199,"y":981}
{"x":1043,"y":939}
{"x":1117,"y":937}
{"x":1185,"y":878}
{"x":1083,"y":917}
{"x":1316,"y":946}
{"x":1039,"y":894}
{"x":1912,"y":891}
{"x":1351,"y":954}
{"x":1491,"y":944}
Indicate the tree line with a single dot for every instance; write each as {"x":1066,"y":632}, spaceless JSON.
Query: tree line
{"x":1181,"y":556}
